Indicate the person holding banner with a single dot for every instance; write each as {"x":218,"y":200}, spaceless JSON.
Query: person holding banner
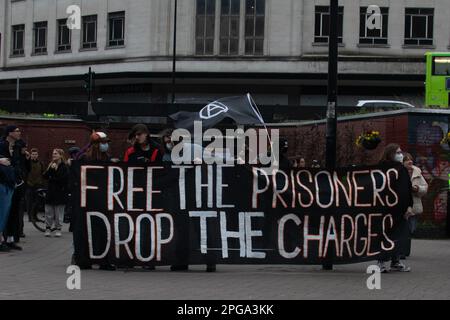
{"x":393,"y":156}
{"x":98,"y":151}
{"x":182,"y":251}
{"x":419,"y":189}
{"x":144,"y":150}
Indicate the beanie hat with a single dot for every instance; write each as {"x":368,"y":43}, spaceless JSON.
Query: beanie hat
{"x":98,"y":137}
{"x":10,"y":129}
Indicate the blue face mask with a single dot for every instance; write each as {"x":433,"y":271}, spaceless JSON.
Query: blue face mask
{"x":104,"y":147}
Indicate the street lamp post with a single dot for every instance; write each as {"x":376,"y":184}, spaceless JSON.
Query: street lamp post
{"x":332,"y":93}
{"x":174,"y":56}
{"x":332,"y":85}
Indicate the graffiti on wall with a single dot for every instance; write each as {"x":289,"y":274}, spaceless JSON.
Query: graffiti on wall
{"x":431,"y":156}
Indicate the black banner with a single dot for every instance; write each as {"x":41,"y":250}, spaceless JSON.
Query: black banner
{"x":136,"y":215}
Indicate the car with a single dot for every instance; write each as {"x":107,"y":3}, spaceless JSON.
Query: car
{"x":384,"y":104}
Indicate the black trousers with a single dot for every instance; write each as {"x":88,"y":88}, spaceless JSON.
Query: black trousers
{"x":13,"y":227}
{"x":401,"y":238}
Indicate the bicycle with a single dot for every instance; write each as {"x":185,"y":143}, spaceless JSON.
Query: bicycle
{"x":38,"y":210}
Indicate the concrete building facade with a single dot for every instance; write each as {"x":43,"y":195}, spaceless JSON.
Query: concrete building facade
{"x":275,"y":49}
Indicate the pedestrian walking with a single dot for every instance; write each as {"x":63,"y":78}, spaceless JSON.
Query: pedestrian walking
{"x":393,"y":156}
{"x":57,"y":175}
{"x":419,"y":190}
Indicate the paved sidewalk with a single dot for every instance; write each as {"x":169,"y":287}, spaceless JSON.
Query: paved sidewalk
{"x":40,"y":272}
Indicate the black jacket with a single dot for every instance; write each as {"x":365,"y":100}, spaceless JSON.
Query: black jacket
{"x":19,"y":162}
{"x":8,"y":175}
{"x":58,"y":185}
{"x":136,"y":155}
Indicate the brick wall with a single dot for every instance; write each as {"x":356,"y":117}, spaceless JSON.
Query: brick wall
{"x":308,"y":141}
{"x":49,"y":134}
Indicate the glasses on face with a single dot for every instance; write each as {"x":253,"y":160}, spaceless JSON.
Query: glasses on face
{"x":17,"y":130}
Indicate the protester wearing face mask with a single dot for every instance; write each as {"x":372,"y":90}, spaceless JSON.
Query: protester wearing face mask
{"x":419,"y":189}
{"x":393,"y":156}
{"x":98,"y":150}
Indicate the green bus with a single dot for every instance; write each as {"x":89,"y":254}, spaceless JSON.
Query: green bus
{"x":437,"y":84}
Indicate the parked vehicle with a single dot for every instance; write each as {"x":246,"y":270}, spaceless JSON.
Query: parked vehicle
{"x":384,"y":104}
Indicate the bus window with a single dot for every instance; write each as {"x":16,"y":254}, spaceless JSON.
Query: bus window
{"x":441,"y":66}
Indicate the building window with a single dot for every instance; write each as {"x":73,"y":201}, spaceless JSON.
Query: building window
{"x":255,"y":15}
{"x":441,"y":66}
{"x":419,"y":25}
{"x":205,"y":27}
{"x":40,"y":38}
{"x":116,"y":29}
{"x":89,"y":32}
{"x":322,"y":24}
{"x":64,"y":36}
{"x":18,"y":40}
{"x":229,"y":27}
{"x":374,"y":36}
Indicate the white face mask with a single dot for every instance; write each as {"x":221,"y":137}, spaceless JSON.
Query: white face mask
{"x":399,"y":157}
{"x":169,"y":146}
{"x":104,"y":147}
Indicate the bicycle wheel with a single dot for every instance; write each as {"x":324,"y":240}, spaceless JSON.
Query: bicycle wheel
{"x":38,"y":218}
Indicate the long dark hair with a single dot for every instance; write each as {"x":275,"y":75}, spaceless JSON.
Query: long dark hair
{"x":94,"y":153}
{"x":389,"y":152}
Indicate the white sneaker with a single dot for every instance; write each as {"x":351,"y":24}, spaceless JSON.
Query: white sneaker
{"x":58,"y":234}
{"x":382,"y":266}
{"x":48,"y":233}
{"x":400,"y":267}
